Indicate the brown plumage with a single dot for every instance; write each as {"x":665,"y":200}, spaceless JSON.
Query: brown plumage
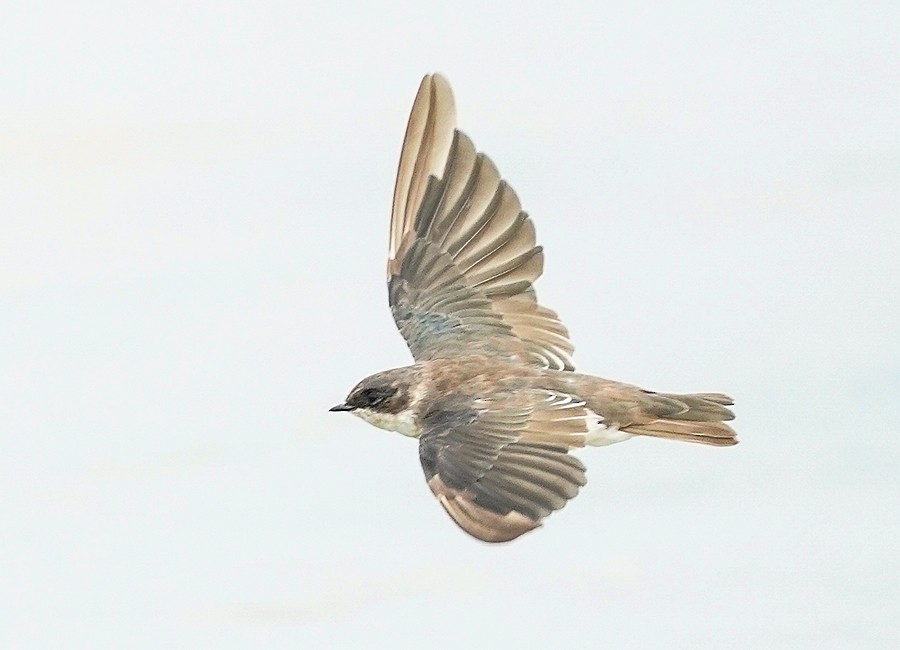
{"x":493,"y":397}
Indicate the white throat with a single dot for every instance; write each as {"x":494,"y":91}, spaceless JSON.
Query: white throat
{"x":403,"y":422}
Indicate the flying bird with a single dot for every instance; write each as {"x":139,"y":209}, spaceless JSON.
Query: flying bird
{"x":493,"y":397}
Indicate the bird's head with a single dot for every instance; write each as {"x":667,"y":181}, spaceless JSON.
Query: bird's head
{"x":384,"y":400}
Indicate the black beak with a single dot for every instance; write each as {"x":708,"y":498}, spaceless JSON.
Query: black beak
{"x":341,"y":407}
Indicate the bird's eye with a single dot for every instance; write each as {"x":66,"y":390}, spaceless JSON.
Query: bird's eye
{"x":370,"y":397}
{"x":374,"y":396}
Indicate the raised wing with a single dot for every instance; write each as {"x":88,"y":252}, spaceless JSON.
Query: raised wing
{"x":498,"y":466}
{"x":462,"y":257}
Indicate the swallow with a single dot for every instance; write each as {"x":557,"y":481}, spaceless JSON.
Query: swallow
{"x":493,"y":397}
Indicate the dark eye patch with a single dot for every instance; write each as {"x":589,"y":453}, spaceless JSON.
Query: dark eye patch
{"x":375,"y":396}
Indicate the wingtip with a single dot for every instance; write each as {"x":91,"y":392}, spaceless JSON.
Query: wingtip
{"x":479,"y":522}
{"x":436,"y":78}
{"x":429,"y":133}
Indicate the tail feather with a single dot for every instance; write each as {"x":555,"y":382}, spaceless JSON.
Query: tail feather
{"x":718,"y":434}
{"x":704,"y":411}
{"x":692,"y":418}
{"x":718,"y":398}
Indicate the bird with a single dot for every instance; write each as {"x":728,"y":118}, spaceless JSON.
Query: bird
{"x":493,"y":396}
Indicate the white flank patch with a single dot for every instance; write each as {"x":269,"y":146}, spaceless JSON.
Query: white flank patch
{"x":600,"y":435}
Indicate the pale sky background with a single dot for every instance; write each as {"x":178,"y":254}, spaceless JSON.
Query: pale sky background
{"x":194,"y":201}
